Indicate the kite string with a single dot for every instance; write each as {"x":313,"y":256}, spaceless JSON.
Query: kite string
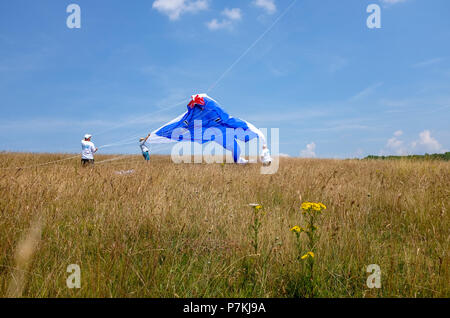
{"x":40,"y":164}
{"x":51,"y":162}
{"x":118,"y":158}
{"x":139,"y":117}
{"x":120,"y":143}
{"x":125,"y":141}
{"x":250,"y":47}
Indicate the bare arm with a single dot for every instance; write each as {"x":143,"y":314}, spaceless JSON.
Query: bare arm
{"x":145,"y":140}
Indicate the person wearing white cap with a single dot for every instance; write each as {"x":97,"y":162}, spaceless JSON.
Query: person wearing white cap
{"x":144,"y":148}
{"x":265,"y":156}
{"x":87,"y":150}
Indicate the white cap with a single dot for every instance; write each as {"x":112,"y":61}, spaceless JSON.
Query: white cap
{"x":87,"y":136}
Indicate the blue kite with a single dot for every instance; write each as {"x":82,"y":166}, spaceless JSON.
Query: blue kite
{"x":204,"y":114}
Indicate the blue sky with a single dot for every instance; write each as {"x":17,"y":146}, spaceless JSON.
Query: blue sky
{"x":334,"y":87}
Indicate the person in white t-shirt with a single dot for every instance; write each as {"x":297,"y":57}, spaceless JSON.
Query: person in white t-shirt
{"x":265,"y":156}
{"x":144,"y":148}
{"x":87,"y":150}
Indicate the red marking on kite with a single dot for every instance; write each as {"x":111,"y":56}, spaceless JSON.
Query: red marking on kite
{"x":197,"y":100}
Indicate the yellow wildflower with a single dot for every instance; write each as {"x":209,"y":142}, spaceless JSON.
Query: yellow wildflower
{"x":306,"y":205}
{"x":309,"y":254}
{"x":256,"y":206}
{"x":297,"y":229}
{"x":312,"y":206}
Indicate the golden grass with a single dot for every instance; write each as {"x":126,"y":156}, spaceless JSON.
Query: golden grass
{"x":170,"y":230}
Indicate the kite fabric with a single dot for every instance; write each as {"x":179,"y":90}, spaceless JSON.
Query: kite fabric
{"x":205,"y":113}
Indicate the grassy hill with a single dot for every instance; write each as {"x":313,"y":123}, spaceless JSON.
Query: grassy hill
{"x":187,"y":230}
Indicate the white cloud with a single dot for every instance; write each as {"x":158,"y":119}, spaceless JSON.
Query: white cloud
{"x":214,"y":24}
{"x":175,"y":8}
{"x":309,"y":151}
{"x":268,"y":5}
{"x":231,"y":15}
{"x":425,"y":143}
{"x":395,"y":145}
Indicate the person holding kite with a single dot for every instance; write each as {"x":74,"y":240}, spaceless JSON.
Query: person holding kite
{"x":144,"y":148}
{"x":87,"y":150}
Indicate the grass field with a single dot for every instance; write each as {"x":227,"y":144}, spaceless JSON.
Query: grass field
{"x":185,"y":230}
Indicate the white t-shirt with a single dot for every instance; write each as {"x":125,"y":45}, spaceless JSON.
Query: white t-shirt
{"x":87,"y":149}
{"x":143,"y":146}
{"x":265,"y":156}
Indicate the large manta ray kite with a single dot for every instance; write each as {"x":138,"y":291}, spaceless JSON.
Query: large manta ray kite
{"x":204,"y":113}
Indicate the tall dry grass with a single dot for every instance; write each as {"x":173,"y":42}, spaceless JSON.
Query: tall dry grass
{"x":170,"y":230}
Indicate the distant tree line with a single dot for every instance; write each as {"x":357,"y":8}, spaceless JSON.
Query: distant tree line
{"x":435,"y":156}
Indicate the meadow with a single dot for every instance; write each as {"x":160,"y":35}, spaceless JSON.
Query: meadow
{"x":187,"y":230}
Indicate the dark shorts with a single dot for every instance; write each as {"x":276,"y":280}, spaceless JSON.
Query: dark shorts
{"x":87,"y":162}
{"x":146,"y":155}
